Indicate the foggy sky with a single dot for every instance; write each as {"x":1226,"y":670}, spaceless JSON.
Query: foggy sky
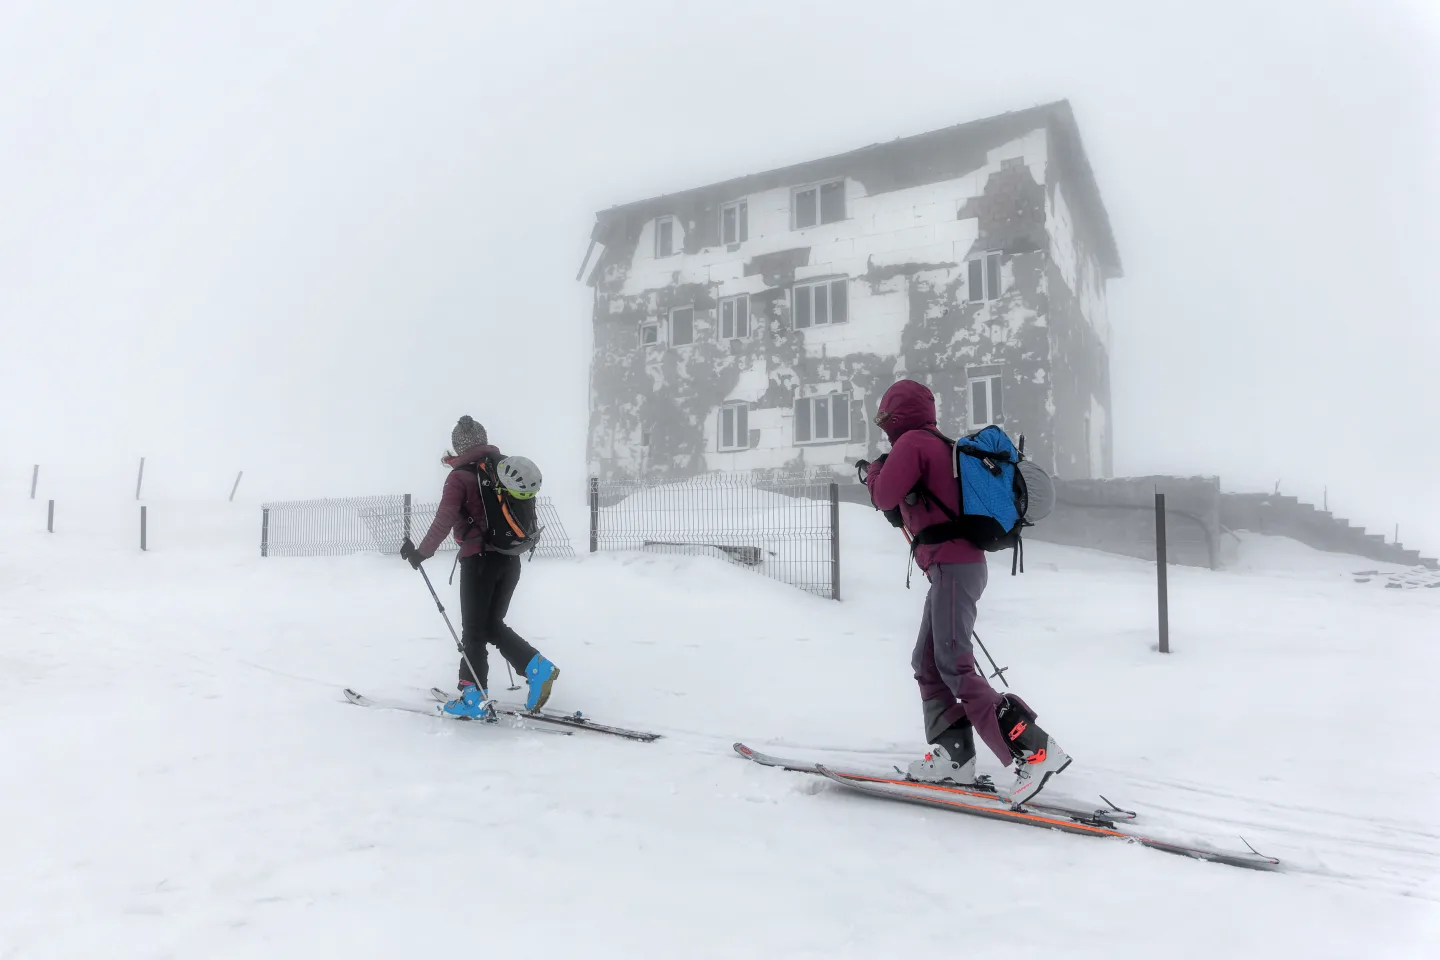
{"x":301,"y":238}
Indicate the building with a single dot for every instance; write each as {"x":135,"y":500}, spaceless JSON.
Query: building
{"x":754,"y":324}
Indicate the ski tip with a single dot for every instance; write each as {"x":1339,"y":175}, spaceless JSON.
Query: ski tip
{"x":1272,"y":861}
{"x":743,"y":750}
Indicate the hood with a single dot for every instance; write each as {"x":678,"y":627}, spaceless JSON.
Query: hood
{"x":470,"y":457}
{"x":910,"y":406}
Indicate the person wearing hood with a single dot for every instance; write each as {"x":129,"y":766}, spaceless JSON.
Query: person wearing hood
{"x":957,"y":699}
{"x":487,"y":581}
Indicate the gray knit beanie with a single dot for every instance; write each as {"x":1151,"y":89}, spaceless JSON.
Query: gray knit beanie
{"x":467,"y":435}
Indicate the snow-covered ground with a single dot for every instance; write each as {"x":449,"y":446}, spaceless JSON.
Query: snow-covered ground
{"x":180,"y":776}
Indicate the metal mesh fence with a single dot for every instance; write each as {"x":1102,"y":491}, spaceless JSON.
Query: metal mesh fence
{"x":785,"y":528}
{"x":329,"y":528}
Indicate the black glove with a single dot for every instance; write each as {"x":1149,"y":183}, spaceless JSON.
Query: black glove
{"x":863,"y":467}
{"x":410,"y":554}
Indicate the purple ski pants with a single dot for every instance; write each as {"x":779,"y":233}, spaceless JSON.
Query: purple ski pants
{"x":944,"y":658}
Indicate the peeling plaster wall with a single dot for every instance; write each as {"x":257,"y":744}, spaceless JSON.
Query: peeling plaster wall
{"x":1080,"y":330}
{"x":911,"y":224}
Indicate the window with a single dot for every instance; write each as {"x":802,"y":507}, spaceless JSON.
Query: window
{"x":985,"y":278}
{"x":735,"y":318}
{"x":645,"y":438}
{"x":735,"y":426}
{"x":822,"y":203}
{"x":649,"y":334}
{"x":824,"y":301}
{"x":821,"y":419}
{"x":985,"y":407}
{"x":735,"y":222}
{"x":682,"y":326}
{"x":664,"y":236}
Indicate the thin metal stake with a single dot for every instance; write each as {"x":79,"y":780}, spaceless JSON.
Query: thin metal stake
{"x":1161,"y":585}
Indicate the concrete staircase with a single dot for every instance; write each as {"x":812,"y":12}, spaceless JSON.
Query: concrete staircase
{"x":1286,"y":516}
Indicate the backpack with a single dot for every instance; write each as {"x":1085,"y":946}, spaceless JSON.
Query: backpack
{"x":994,"y":498}
{"x":511,"y":525}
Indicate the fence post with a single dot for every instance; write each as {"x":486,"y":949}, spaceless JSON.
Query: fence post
{"x":34,"y":479}
{"x":264,"y":531}
{"x":142,"y":527}
{"x":594,"y":514}
{"x":50,"y":518}
{"x":834,"y":540}
{"x":1160,"y":582}
{"x":139,"y":478}
{"x":237,"y":485}
{"x":407,"y":516}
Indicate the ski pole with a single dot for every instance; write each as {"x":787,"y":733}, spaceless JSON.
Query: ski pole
{"x":458,"y":644}
{"x":999,"y":671}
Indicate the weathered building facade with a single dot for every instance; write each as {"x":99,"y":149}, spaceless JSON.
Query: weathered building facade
{"x":754,"y":324}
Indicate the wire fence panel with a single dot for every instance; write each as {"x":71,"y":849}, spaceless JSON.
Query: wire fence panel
{"x":320,"y":528}
{"x":782,"y":528}
{"x":328,"y":528}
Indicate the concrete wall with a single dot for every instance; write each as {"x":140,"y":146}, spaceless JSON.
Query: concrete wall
{"x":1118,"y":516}
{"x":913,"y":219}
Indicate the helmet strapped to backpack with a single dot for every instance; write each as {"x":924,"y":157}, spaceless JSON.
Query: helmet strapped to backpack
{"x":519,"y":476}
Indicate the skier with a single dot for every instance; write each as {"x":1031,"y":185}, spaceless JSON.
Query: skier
{"x":487,"y":578}
{"x":957,"y":699}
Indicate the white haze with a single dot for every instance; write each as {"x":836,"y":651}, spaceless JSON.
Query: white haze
{"x":301,"y":238}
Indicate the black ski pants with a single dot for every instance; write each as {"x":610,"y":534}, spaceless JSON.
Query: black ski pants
{"x":487,"y":582}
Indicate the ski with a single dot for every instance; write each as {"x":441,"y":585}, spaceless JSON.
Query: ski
{"x":574,"y":720}
{"x":1251,"y":859}
{"x":360,"y":700}
{"x":1108,"y":814}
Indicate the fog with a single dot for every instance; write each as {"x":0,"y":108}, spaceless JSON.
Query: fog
{"x":301,"y":238}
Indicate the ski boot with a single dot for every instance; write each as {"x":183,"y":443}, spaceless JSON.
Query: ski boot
{"x":541,"y":673}
{"x":1037,"y":756}
{"x":472,"y":704}
{"x":951,"y":760}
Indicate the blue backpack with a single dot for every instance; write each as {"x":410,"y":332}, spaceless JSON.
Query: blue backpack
{"x":993,"y":495}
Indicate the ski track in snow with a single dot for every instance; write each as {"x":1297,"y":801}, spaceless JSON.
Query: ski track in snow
{"x":185,"y":778}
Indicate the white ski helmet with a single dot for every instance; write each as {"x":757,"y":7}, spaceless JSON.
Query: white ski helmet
{"x":520,"y":477}
{"x":1039,"y":490}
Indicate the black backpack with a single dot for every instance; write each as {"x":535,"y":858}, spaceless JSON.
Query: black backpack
{"x":511,"y":525}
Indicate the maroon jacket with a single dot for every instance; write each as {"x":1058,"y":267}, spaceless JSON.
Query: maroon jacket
{"x":459,"y":504}
{"x":915,"y":455}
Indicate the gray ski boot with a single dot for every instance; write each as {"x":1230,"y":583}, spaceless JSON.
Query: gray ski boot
{"x":951,"y":760}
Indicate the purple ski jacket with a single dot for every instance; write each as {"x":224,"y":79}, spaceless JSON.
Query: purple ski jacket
{"x":459,"y":504}
{"x":915,"y":455}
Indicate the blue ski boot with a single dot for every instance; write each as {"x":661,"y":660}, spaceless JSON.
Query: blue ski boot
{"x":472,"y":704}
{"x":541,"y":673}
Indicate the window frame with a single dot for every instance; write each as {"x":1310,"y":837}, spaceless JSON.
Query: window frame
{"x":995,"y":390}
{"x":738,"y":299}
{"x":829,"y":283}
{"x":670,"y":324}
{"x":810,"y":402}
{"x":818,"y":187}
{"x":740,"y":416}
{"x":650,"y":325}
{"x":984,"y":260}
{"x":670,"y":219}
{"x":742,"y":221}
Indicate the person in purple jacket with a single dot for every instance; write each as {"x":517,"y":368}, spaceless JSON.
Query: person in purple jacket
{"x":956,"y":697}
{"x":487,"y":582}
